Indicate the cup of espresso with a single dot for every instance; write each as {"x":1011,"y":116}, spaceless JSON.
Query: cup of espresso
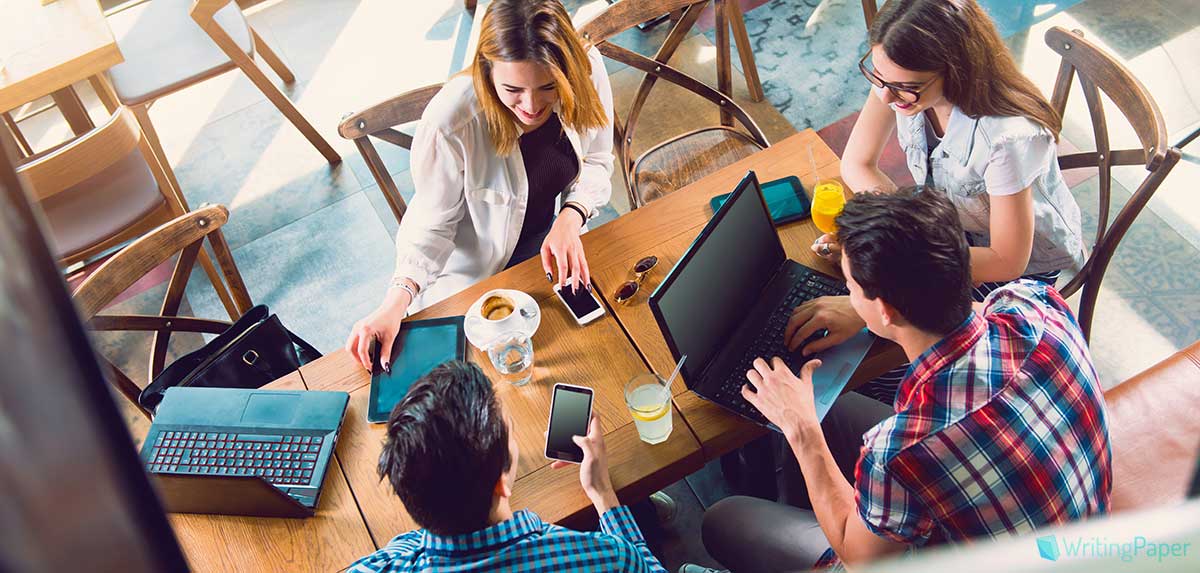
{"x":500,"y":311}
{"x":497,"y":307}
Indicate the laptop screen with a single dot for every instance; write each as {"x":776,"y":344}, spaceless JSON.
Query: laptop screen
{"x":719,"y":279}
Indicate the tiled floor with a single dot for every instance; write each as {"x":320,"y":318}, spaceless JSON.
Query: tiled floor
{"x":314,"y":241}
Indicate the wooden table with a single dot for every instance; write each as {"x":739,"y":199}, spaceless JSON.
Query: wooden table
{"x":46,"y":49}
{"x":603,"y":355}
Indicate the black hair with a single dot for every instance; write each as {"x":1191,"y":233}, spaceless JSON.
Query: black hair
{"x":908,"y":248}
{"x":446,"y":447}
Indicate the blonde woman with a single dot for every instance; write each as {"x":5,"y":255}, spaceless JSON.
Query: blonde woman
{"x":509,"y":161}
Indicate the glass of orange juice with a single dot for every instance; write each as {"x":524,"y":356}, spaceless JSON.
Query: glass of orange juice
{"x":828,"y":200}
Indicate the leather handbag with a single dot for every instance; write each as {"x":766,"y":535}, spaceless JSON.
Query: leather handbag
{"x":254,"y":351}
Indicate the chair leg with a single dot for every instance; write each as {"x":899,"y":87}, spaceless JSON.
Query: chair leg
{"x":165,"y":176}
{"x":724,"y":66}
{"x":163,"y":173}
{"x":272,"y":59}
{"x":268,"y":89}
{"x":104,"y":91}
{"x":745,"y":51}
{"x":218,"y":283}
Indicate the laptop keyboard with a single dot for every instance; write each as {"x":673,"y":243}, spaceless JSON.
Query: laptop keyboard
{"x":282,"y":460}
{"x":769,"y":343}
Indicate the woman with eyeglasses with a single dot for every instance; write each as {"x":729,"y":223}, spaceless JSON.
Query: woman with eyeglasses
{"x":510,"y":160}
{"x":972,"y":126}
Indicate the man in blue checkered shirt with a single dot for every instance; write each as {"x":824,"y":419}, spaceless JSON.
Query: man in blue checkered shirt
{"x":452,"y":459}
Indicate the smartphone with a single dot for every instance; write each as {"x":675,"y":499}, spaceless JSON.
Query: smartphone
{"x":786,"y":200}
{"x":570,"y":412}
{"x":582,"y":303}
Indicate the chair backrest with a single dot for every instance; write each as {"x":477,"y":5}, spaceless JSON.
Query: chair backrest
{"x":83,"y":157}
{"x":625,"y":15}
{"x":183,"y":236}
{"x":1099,"y":72}
{"x":380,"y":121}
{"x":1154,"y":432}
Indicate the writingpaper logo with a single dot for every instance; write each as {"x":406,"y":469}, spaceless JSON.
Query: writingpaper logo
{"x":1048,"y":547}
{"x":1140,"y":547}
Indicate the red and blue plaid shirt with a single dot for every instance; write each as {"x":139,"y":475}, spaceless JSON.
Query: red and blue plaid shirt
{"x":999,"y":429}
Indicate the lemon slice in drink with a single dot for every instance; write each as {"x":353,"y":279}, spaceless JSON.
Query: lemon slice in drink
{"x":650,"y":415}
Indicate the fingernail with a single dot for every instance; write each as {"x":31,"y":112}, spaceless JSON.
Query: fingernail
{"x":387,"y":366}
{"x":589,"y":287}
{"x":549,"y":277}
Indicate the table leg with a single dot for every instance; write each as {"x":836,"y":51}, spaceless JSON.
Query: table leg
{"x":73,"y":111}
{"x":745,"y":51}
{"x":12,"y":134}
{"x":724,"y":63}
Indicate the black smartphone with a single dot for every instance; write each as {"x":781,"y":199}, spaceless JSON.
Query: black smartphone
{"x":582,"y":303}
{"x":570,"y":412}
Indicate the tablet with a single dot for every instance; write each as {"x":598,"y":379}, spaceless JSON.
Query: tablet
{"x":420,"y":346}
{"x":786,"y":200}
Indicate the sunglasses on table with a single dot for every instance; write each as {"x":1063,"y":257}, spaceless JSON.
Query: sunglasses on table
{"x":628,"y":289}
{"x":903,"y":92}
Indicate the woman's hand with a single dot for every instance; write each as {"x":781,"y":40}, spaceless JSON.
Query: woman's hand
{"x":563,"y":249}
{"x":382,"y":324}
{"x":827,"y":247}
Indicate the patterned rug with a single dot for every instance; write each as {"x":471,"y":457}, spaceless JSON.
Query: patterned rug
{"x":807,"y":51}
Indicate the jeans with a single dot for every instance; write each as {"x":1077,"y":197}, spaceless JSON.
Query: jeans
{"x":752,"y":534}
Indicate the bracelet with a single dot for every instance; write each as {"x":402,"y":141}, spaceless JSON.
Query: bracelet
{"x":403,"y":284}
{"x":576,"y":208}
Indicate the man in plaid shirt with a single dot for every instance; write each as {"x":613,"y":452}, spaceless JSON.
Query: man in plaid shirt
{"x":452,"y":459}
{"x":998,"y":427}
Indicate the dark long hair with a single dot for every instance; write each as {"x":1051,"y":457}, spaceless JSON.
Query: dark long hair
{"x":956,"y":39}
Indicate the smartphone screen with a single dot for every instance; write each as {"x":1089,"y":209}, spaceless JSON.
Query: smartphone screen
{"x":581,"y":302}
{"x":570,"y":410}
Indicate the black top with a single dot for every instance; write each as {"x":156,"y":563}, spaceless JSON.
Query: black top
{"x":550,"y":165}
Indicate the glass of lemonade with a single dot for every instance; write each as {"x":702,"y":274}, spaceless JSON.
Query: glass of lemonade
{"x":649,"y":400}
{"x":511,"y":354}
{"x":828,"y":201}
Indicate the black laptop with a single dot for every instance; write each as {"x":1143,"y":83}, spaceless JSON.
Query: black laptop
{"x":729,"y":298}
{"x":232,"y":451}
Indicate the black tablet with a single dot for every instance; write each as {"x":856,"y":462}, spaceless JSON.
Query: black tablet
{"x":420,"y":346}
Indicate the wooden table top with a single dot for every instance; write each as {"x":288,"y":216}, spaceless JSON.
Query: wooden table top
{"x":47,"y":48}
{"x":603,"y":354}
{"x":665,"y":228}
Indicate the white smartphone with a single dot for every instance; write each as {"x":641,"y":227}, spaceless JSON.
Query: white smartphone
{"x":570,"y":413}
{"x":582,"y":304}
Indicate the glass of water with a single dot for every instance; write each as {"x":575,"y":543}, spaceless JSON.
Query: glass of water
{"x":511,"y":354}
{"x":649,"y":400}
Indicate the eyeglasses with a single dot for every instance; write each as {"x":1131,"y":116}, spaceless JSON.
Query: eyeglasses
{"x":902,"y":93}
{"x":628,"y":289}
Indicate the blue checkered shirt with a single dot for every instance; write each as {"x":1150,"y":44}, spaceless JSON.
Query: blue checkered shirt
{"x":524,"y":543}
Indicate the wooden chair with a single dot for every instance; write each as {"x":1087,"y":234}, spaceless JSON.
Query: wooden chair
{"x":1097,"y":71}
{"x":169,"y":46}
{"x":104,"y":189}
{"x":680,"y":160}
{"x":183,"y":236}
{"x":870,"y":8}
{"x":380,"y":121}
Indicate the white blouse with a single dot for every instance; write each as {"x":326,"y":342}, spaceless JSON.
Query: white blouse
{"x":466,"y":214}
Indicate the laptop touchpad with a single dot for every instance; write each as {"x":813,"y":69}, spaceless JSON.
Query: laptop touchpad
{"x":270,"y":408}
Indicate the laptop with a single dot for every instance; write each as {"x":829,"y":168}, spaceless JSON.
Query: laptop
{"x":254,"y":452}
{"x":729,"y":299}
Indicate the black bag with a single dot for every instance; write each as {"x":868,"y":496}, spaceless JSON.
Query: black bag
{"x":254,"y":351}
